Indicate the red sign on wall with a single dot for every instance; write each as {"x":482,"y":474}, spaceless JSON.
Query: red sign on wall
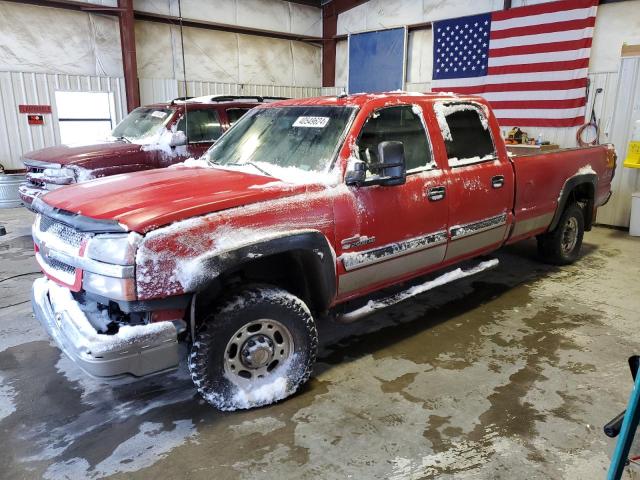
{"x":35,"y":119}
{"x":34,"y":108}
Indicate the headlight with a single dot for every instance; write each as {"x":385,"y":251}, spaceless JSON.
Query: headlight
{"x":118,"y":249}
{"x":59,"y":176}
{"x":110,"y":287}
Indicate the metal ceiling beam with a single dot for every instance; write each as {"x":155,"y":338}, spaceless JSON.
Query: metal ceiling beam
{"x":310,"y":3}
{"x":70,"y":5}
{"x":189,"y":22}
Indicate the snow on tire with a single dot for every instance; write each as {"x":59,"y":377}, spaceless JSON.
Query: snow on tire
{"x":256,"y":348}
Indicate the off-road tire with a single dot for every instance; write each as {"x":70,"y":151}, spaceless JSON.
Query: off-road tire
{"x":209,"y":350}
{"x":552,"y":246}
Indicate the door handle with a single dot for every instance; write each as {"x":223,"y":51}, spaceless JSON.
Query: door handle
{"x":436,"y":193}
{"x":497,"y":181}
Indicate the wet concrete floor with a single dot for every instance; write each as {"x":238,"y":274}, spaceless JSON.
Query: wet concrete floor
{"x":509,"y":374}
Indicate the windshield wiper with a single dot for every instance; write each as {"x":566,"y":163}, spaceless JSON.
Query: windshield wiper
{"x":122,"y":138}
{"x":253,"y":165}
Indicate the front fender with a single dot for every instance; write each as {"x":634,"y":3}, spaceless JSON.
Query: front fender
{"x":196,"y":274}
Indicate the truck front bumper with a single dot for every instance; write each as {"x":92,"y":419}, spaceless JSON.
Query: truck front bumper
{"x":146,"y":349}
{"x":29,"y":192}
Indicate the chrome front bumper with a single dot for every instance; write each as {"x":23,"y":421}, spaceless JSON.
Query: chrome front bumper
{"x":153,"y":348}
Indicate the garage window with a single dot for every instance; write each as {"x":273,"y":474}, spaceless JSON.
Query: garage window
{"x":84,"y":117}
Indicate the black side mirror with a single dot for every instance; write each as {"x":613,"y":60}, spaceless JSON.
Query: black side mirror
{"x":357,"y":175}
{"x":392,"y":164}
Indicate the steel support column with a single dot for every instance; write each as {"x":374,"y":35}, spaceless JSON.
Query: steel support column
{"x":330,"y":14}
{"x":128,"y":45}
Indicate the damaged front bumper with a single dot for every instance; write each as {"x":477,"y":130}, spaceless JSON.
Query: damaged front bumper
{"x":140,"y":350}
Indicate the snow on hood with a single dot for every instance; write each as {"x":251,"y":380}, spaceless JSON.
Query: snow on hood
{"x":292,"y":175}
{"x":149,"y":199}
{"x":84,"y":155}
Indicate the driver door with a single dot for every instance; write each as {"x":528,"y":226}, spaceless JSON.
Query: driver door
{"x":389,"y":233}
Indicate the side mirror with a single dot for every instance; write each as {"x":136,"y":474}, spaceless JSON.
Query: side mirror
{"x":357,"y":174}
{"x":392,"y":164}
{"x":178,"y":139}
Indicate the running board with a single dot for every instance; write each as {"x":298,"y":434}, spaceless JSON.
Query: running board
{"x":373,"y":305}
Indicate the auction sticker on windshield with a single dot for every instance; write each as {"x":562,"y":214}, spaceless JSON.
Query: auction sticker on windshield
{"x":159,"y":114}
{"x":311,"y":122}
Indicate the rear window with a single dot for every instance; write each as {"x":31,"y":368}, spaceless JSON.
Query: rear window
{"x":466,"y":134}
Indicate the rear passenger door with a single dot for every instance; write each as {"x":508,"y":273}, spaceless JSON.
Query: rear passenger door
{"x":389,"y":233}
{"x":202,"y":127}
{"x":481,"y":183}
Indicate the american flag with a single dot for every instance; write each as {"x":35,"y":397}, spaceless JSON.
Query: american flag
{"x":530,"y":63}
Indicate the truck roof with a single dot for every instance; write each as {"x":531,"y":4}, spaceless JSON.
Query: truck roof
{"x":359,"y":99}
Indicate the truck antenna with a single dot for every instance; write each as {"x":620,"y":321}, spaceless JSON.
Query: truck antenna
{"x":184,"y":72}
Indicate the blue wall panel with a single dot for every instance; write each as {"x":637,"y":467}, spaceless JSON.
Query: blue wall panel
{"x":376,"y":61}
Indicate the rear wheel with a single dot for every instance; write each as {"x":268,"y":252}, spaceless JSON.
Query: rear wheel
{"x":258,"y":347}
{"x":562,"y":245}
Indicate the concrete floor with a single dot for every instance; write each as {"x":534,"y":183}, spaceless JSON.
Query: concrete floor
{"x":510,"y":374}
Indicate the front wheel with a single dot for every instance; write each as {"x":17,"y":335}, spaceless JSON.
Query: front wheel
{"x":258,"y":347}
{"x":562,"y":245}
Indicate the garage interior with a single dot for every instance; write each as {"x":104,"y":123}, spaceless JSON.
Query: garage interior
{"x":508,"y":374}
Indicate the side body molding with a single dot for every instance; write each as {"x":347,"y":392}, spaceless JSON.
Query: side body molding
{"x":310,"y":249}
{"x":588,"y":179}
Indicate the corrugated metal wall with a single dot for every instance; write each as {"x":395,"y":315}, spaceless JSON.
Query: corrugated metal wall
{"x":626,"y":110}
{"x":18,"y":88}
{"x":163,"y":89}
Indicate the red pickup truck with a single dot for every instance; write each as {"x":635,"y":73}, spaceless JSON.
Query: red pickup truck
{"x":149,"y":137}
{"x":304,"y":209}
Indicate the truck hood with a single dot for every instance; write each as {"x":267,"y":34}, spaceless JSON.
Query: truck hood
{"x":150,"y":199}
{"x":83,"y":155}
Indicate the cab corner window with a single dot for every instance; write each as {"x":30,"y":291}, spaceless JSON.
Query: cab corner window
{"x":201,"y":125}
{"x":400,"y":123}
{"x":466,"y":133}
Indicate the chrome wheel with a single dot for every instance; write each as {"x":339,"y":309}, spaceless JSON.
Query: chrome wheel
{"x":569,"y":235}
{"x":256,"y":350}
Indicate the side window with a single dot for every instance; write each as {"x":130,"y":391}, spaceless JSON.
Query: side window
{"x":234,"y":114}
{"x":401,"y":124}
{"x":202,"y":125}
{"x":466,"y":133}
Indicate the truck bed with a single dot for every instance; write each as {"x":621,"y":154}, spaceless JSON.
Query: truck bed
{"x":540,"y":179}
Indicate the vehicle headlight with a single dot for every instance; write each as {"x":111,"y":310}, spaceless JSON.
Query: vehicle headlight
{"x":110,"y":287}
{"x":115,"y":248}
{"x":59,"y":176}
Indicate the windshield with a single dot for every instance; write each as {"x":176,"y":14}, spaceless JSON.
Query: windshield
{"x":276,"y":138}
{"x":142,"y":122}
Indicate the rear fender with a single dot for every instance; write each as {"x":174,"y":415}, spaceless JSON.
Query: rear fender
{"x":583,"y":180}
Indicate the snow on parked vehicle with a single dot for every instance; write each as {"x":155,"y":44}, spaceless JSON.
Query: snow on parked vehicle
{"x":303,"y":210}
{"x":149,"y":137}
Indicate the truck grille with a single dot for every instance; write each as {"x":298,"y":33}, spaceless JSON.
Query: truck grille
{"x":65,"y":233}
{"x":58,"y":266}
{"x":34,"y":175}
{"x":56,"y":237}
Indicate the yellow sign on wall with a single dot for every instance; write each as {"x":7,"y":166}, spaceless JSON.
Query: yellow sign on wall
{"x":633,"y":155}
{"x":633,"y":152}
